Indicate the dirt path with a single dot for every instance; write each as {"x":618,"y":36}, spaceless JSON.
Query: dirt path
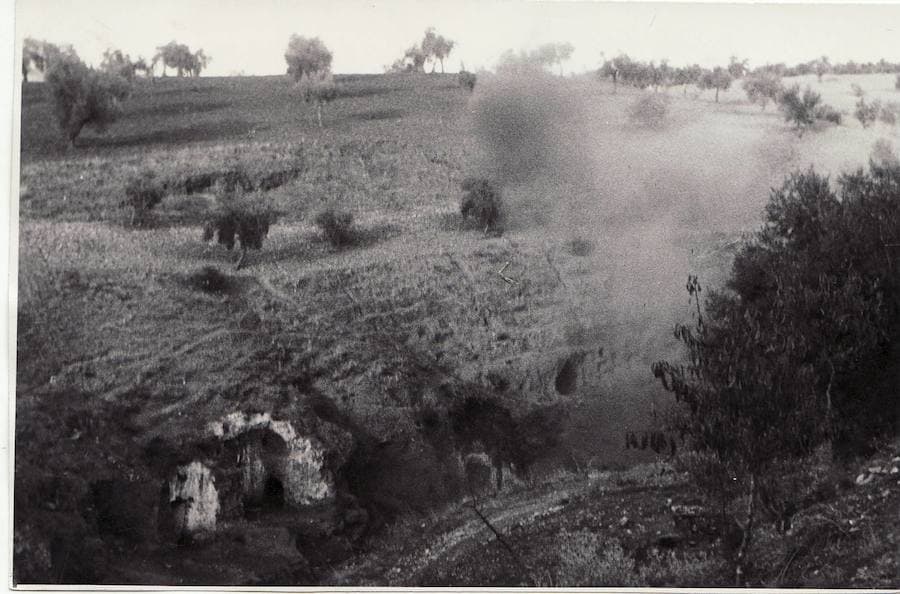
{"x":445,"y":546}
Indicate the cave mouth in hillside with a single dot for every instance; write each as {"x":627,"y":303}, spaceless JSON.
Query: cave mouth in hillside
{"x":567,"y":377}
{"x":273,"y":495}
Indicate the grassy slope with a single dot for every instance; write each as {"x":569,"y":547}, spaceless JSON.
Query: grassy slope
{"x":109,"y":311}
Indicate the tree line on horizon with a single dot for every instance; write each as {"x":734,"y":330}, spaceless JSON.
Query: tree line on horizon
{"x":40,"y":55}
{"x":89,"y":96}
{"x":434,"y":48}
{"x":639,"y":74}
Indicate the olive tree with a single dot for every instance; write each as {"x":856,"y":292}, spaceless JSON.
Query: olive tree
{"x":307,"y":57}
{"x":179,"y":56}
{"x":687,"y":75}
{"x":436,"y":47}
{"x":800,"y":109}
{"x":822,"y":66}
{"x":551,"y":54}
{"x":737,"y":68}
{"x":198,"y":62}
{"x":762,"y":87}
{"x":866,"y":112}
{"x":31,"y":56}
{"x":610,"y":69}
{"x":718,"y":78}
{"x":116,"y":63}
{"x":799,"y":349}
{"x":414,"y":59}
{"x":41,"y":55}
{"x":83,"y":96}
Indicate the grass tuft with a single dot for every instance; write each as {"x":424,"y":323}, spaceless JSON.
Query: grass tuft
{"x":337,"y":227}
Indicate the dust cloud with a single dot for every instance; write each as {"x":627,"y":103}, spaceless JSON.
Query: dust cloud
{"x":656,"y":203}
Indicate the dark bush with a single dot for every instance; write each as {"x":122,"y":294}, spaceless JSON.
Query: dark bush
{"x":649,"y":110}
{"x":888,"y":114}
{"x":235,"y":180}
{"x":800,"y":109}
{"x":243,"y":218}
{"x":337,"y":226}
{"x":143,"y":191}
{"x":521,"y":439}
{"x":580,"y":246}
{"x":276,"y":179}
{"x":467,"y":80}
{"x":198,"y":182}
{"x":481,"y":203}
{"x":897,"y":82}
{"x":828,"y":114}
{"x":867,"y":113}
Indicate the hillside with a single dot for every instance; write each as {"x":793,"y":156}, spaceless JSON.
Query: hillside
{"x":385,"y":375}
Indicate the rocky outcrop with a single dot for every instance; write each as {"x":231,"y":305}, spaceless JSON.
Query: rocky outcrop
{"x":190,"y":502}
{"x":247,"y":464}
{"x":275,"y":463}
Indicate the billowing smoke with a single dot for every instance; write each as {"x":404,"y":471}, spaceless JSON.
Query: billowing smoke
{"x":656,"y":204}
{"x":527,"y":122}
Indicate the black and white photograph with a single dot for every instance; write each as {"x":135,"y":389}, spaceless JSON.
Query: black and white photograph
{"x":454,"y":294}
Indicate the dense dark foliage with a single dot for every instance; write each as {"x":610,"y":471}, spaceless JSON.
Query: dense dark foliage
{"x":481,"y":203}
{"x":867,"y":112}
{"x":83,"y":96}
{"x":829,"y":114}
{"x":802,"y":349}
{"x":179,"y":56}
{"x":306,"y":56}
{"x":336,"y":226}
{"x":649,"y":110}
{"x":804,"y":109}
{"x":467,"y":80}
{"x":815,"y":296}
{"x":143,"y":191}
{"x":239,"y":217}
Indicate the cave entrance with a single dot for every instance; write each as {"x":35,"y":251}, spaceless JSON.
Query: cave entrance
{"x":273,"y":494}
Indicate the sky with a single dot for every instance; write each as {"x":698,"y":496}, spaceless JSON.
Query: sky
{"x":250,"y":37}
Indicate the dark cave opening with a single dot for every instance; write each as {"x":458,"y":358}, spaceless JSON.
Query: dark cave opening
{"x":273,"y":495}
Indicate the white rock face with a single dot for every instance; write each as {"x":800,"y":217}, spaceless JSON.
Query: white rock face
{"x":194,"y":499}
{"x":304,"y":479}
{"x":300,"y":470}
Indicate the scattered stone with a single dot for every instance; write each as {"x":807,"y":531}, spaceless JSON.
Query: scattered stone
{"x":864,"y":479}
